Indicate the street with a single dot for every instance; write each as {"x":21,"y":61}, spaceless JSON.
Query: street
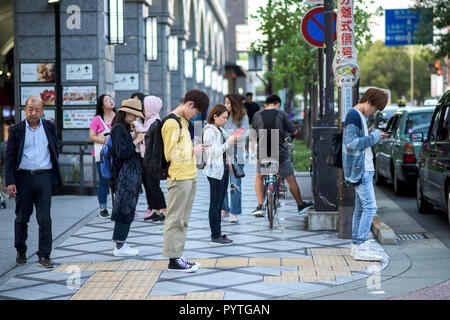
{"x":434,"y":222}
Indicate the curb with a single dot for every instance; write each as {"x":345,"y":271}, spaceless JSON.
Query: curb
{"x":383,"y":232}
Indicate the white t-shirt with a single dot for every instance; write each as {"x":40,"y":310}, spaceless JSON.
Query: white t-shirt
{"x":368,"y":151}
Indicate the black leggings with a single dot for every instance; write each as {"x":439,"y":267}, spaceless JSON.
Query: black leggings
{"x":153,"y":192}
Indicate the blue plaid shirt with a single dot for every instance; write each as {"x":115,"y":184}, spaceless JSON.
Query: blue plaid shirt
{"x":354,"y":143}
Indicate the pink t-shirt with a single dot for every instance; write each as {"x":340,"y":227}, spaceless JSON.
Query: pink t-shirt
{"x":97,"y":126}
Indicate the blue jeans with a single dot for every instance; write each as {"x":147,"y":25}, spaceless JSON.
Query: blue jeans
{"x":236,"y":195}
{"x":217,"y":191}
{"x":102,"y":193}
{"x":365,"y":209}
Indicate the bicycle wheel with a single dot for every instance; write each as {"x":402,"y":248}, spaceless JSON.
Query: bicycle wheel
{"x":270,"y":209}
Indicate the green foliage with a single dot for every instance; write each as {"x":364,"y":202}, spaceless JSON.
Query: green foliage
{"x":279,"y":23}
{"x":440,"y":11}
{"x":301,"y":159}
{"x":389,"y":67}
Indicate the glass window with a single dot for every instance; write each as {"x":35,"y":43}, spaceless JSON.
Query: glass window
{"x":418,"y":122}
{"x":435,"y":124}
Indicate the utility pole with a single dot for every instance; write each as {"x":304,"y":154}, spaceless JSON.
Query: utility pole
{"x":346,"y":71}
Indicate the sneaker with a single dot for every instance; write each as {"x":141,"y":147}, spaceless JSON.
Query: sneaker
{"x":191,"y":263}
{"x":258,"y":212}
{"x":353,"y":249}
{"x":233,"y":218}
{"x":125,"y":251}
{"x":304,"y":207}
{"x":224,"y":214}
{"x":221,"y":241}
{"x":161,"y":217}
{"x":365,"y":253}
{"x":182,"y":265}
{"x":45,"y":262}
{"x":21,"y":258}
{"x":104,"y":214}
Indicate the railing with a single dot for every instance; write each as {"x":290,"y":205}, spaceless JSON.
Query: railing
{"x":74,"y":166}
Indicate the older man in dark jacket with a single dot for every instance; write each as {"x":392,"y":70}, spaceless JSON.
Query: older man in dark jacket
{"x":31,"y":170}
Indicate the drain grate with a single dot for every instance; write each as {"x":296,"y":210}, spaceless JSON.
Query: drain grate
{"x":412,"y":236}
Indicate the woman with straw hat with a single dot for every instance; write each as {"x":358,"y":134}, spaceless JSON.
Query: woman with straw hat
{"x":127,"y":174}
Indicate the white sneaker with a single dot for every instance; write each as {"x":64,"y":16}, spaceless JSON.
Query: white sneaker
{"x":125,"y":251}
{"x":353,"y":249}
{"x":233,"y":218}
{"x":365,"y":253}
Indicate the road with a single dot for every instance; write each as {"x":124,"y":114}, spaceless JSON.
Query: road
{"x":434,"y":222}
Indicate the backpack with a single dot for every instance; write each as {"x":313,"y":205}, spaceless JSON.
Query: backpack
{"x":107,"y":159}
{"x":335,"y":155}
{"x":154,"y":159}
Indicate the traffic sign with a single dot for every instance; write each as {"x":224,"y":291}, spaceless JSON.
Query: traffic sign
{"x":313,"y":29}
{"x":401,"y":24}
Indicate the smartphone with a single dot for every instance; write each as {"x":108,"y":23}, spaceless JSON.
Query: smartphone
{"x":206,"y":145}
{"x":388,"y":132}
{"x":238,"y":132}
{"x":106,"y":134}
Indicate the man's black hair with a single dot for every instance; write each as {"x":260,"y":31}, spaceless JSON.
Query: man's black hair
{"x":249,"y":94}
{"x":273,"y":99}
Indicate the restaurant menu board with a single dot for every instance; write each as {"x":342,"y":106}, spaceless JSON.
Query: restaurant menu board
{"x":47,"y":94}
{"x":49,"y":114}
{"x":37,"y":72}
{"x":78,"y":118}
{"x":79,"y":96}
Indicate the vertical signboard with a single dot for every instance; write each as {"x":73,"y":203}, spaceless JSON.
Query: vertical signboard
{"x":345,"y":66}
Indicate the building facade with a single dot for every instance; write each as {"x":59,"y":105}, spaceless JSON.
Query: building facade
{"x":118,"y":47}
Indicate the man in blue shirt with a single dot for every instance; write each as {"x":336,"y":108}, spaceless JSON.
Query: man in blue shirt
{"x":357,"y":162}
{"x":31,"y":170}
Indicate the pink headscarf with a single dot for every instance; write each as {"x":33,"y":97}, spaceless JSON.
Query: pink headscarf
{"x":152,"y":106}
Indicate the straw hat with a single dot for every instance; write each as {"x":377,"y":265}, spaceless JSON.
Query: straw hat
{"x":132,"y":106}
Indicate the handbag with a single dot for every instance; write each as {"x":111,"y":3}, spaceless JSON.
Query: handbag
{"x":237,"y":170}
{"x":335,"y":155}
{"x":98,"y":146}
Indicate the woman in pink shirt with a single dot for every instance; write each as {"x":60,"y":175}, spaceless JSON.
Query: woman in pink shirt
{"x":98,"y":133}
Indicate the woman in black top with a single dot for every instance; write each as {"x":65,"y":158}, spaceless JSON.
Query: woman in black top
{"x":127,"y":174}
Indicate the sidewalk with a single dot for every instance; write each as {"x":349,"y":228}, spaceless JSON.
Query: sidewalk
{"x":261,"y":263}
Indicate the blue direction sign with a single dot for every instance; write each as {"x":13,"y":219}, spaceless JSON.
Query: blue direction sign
{"x":401,"y":24}
{"x":312,"y":27}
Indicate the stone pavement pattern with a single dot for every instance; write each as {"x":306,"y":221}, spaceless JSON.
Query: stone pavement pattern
{"x":261,"y":263}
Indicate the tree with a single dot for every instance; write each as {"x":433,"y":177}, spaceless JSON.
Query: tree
{"x":389,"y":67}
{"x":440,"y":16}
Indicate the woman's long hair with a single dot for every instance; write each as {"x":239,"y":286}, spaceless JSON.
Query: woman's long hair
{"x":238,"y":111}
{"x":99,"y":109}
{"x":119,"y":118}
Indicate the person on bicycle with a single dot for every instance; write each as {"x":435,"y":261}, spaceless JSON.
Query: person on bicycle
{"x":270,"y":123}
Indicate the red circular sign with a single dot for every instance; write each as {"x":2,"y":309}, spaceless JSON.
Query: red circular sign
{"x":313,"y":29}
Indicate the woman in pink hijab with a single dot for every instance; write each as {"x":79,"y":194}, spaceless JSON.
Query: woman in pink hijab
{"x":155,"y":197}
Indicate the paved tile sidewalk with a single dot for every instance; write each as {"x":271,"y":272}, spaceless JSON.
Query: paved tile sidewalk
{"x":261,"y":263}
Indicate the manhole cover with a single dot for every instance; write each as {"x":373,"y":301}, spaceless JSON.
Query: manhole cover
{"x":412,"y":236}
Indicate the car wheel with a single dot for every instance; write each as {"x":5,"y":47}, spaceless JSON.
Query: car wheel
{"x":379,"y":179}
{"x":399,"y":187}
{"x":423,"y":205}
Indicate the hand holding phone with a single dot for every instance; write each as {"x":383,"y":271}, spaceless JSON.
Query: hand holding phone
{"x":238,"y":132}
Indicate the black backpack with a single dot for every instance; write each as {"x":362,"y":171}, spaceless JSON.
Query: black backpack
{"x":154,"y":159}
{"x":335,"y":155}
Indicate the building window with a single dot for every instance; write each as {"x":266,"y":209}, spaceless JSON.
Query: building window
{"x":208,"y":72}
{"x":214,"y":78}
{"x":199,"y":69}
{"x":225,"y":87}
{"x":188,"y":63}
{"x":151,"y":38}
{"x":116,"y":30}
{"x":219,"y":83}
{"x":173,"y":53}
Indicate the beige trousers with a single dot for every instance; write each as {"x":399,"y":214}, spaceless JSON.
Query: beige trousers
{"x":180,"y":198}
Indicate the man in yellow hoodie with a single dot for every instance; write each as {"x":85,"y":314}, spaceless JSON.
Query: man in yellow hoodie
{"x":181,"y":183}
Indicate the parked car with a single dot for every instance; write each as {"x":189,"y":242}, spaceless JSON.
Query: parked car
{"x":396,"y":156}
{"x":433,"y":183}
{"x":380,"y":119}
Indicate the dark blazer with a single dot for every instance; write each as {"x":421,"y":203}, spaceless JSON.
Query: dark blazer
{"x":14,"y":151}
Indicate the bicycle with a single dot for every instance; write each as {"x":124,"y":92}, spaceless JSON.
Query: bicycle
{"x":273,"y":190}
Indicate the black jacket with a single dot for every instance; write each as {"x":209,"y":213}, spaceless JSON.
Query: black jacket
{"x":14,"y":151}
